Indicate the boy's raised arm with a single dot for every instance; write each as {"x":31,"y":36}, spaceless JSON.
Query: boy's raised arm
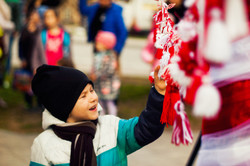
{"x":138,"y":132}
{"x":149,"y":127}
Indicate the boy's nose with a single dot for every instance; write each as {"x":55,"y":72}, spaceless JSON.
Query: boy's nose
{"x":93,"y":97}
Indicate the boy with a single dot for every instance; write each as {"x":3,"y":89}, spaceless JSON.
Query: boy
{"x":74,"y":132}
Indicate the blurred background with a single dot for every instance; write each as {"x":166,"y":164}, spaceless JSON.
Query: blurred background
{"x":19,"y":126}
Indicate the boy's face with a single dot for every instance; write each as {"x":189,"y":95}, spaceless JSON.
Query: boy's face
{"x":50,"y":19}
{"x":85,"y":107}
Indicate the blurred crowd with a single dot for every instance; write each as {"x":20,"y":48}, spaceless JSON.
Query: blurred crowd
{"x":42,"y":39}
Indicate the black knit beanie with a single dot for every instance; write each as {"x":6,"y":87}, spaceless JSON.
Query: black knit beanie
{"x":58,"y":88}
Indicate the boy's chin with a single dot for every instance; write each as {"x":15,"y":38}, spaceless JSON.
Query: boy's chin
{"x":94,"y":117}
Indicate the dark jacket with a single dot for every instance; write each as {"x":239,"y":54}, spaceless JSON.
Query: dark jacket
{"x":113,"y":22}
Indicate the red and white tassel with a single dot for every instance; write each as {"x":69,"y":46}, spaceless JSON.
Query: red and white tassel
{"x":236,"y":18}
{"x":186,"y":30}
{"x":218,"y":47}
{"x":189,"y":3}
{"x":181,"y":129}
{"x":171,"y":97}
{"x":161,"y":40}
{"x":207,"y":101}
{"x":164,"y":64}
{"x":177,"y":74}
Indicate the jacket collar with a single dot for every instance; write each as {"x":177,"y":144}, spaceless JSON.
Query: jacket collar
{"x":48,"y":119}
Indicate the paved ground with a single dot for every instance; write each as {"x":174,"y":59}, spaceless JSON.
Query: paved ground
{"x":15,"y":151}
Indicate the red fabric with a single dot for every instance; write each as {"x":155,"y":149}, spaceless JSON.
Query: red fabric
{"x":248,"y":9}
{"x":235,"y":108}
{"x":187,"y":63}
{"x":194,"y":11}
{"x":54,"y":48}
{"x":151,"y":79}
{"x":171,"y":51}
{"x":158,"y":53}
{"x":191,"y":91}
{"x":171,"y":97}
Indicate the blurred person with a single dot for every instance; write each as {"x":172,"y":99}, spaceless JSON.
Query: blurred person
{"x":16,"y":10}
{"x":6,"y":27}
{"x":75,"y":134}
{"x":105,"y":72}
{"x":16,"y":13}
{"x":5,"y":17}
{"x":107,"y":16}
{"x":55,"y":39}
{"x":31,"y":50}
{"x":41,"y":5}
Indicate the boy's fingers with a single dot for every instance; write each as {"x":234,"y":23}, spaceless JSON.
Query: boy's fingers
{"x":156,"y":72}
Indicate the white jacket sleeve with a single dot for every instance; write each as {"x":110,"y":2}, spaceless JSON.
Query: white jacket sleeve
{"x":37,"y":155}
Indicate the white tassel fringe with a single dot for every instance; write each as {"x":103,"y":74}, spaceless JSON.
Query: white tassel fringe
{"x":207,"y":101}
{"x":218,"y":48}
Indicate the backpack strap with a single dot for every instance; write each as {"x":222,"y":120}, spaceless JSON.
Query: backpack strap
{"x":44,"y":36}
{"x":66,"y":44}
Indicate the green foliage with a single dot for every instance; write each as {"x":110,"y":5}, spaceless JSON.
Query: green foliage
{"x":16,"y":116}
{"x":133,"y":92}
{"x":12,"y":97}
{"x":133,"y":98}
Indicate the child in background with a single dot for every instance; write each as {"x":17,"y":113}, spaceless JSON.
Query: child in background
{"x":55,"y":39}
{"x":74,"y":132}
{"x":105,"y":71}
{"x":30,"y":47}
{"x":31,"y":50}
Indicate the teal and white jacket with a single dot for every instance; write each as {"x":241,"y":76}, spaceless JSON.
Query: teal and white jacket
{"x":115,"y":138}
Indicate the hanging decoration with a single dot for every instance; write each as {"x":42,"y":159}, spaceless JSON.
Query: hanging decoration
{"x":167,"y":43}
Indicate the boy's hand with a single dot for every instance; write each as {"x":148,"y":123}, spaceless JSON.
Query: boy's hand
{"x":160,"y":84}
